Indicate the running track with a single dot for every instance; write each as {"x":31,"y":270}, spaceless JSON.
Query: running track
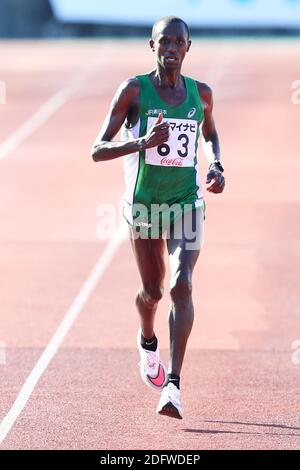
{"x":67,"y":313}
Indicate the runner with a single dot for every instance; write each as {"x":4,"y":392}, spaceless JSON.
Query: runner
{"x":162,"y":114}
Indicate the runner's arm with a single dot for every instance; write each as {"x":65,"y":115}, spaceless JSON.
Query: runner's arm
{"x":210,"y":139}
{"x":210,"y":142}
{"x":103,"y":147}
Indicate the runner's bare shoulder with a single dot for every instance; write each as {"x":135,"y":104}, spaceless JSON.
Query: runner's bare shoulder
{"x":129,"y":89}
{"x":205,"y":93}
{"x":128,"y":97}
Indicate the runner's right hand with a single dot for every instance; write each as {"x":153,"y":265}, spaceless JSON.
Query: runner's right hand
{"x":157,"y":134}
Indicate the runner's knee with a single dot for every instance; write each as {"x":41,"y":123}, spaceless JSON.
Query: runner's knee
{"x":181,"y":289}
{"x":151,"y":294}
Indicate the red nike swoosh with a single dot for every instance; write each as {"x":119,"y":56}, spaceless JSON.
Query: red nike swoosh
{"x":159,"y":380}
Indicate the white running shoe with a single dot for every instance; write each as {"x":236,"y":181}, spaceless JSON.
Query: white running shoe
{"x":169,"y":403}
{"x":152,"y":370}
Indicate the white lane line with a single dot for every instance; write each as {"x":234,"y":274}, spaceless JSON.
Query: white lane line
{"x":62,"y":330}
{"x":56,"y":101}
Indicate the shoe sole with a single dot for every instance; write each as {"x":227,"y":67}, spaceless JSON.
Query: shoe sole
{"x":170,"y":410}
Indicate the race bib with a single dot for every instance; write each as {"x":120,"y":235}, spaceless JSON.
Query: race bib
{"x":179,"y":150}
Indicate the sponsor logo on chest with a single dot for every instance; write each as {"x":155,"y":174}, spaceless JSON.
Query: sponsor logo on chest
{"x":171,"y":161}
{"x":155,"y":112}
{"x":191,"y":112}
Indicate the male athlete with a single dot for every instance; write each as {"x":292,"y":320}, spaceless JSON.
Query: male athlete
{"x":162,"y":114}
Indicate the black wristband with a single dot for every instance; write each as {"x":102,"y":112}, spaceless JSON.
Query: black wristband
{"x":218,"y":164}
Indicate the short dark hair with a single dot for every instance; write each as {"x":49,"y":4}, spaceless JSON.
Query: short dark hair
{"x":166,"y":20}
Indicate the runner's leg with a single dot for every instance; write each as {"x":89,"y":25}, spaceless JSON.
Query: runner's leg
{"x":149,"y":255}
{"x":183,"y":256}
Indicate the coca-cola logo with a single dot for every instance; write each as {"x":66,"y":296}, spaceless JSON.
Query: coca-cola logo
{"x":171,"y":161}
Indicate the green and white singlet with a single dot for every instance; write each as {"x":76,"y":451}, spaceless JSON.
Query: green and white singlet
{"x":162,"y":181}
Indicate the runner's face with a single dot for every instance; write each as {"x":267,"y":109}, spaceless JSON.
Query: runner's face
{"x":171,"y":45}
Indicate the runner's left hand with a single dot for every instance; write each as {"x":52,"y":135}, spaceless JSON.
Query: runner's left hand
{"x":218,"y":181}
